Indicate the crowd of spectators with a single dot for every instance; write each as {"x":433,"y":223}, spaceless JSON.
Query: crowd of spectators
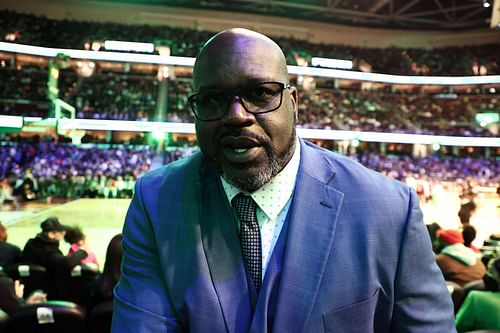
{"x":110,"y":95}
{"x":67,"y":171}
{"x":482,"y":171}
{"x":63,"y":278}
{"x":472,"y":275}
{"x":41,"y":31}
{"x":119,"y":96}
{"x":48,"y":169}
{"x":391,"y":112}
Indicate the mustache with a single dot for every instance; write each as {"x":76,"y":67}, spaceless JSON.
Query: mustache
{"x":238,"y":132}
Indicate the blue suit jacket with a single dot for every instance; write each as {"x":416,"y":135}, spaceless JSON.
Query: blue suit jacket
{"x":357,"y":256}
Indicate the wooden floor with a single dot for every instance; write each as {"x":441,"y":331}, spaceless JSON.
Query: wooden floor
{"x":101,"y":219}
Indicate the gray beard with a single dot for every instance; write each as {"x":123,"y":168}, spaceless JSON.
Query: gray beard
{"x":277,"y":161}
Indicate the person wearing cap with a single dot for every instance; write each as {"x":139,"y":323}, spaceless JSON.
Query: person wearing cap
{"x":481,"y":308}
{"x":458,"y":263}
{"x":44,"y":248}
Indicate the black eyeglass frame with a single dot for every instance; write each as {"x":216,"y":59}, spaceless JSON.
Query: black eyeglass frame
{"x":237,"y":93}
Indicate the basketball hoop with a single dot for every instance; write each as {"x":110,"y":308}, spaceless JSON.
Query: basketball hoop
{"x":75,"y":135}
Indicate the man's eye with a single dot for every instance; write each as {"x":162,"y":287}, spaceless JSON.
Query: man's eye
{"x":261,"y":93}
{"x":210,"y":99}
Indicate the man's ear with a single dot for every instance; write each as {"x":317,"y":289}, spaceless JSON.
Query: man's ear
{"x":294,"y":96}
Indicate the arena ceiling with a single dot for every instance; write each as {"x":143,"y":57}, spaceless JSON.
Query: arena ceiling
{"x":401,"y":14}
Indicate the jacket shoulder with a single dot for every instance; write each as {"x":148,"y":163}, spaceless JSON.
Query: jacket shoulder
{"x":173,"y":171}
{"x":350,"y":175}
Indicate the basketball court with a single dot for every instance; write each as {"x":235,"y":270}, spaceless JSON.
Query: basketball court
{"x":101,"y":219}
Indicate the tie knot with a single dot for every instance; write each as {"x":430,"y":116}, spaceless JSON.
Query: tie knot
{"x":245,"y":208}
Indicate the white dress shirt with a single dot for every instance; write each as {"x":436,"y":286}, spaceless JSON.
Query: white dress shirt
{"x":273,"y":202}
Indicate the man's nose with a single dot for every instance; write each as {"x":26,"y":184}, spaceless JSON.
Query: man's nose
{"x":237,"y":115}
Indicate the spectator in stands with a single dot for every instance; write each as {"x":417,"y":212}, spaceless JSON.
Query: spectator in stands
{"x":458,"y":263}
{"x":77,"y":240}
{"x":466,"y":211}
{"x":469,"y":234}
{"x":29,"y":186}
{"x":481,"y":309}
{"x":44,"y":248}
{"x":7,"y":193}
{"x":433,"y":229}
{"x":103,"y":289}
{"x":9,"y":253}
{"x":12,"y":292}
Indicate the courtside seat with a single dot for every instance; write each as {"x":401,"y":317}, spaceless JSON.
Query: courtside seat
{"x":100,"y":317}
{"x":48,"y":317}
{"x":74,"y":286}
{"x":34,"y":277}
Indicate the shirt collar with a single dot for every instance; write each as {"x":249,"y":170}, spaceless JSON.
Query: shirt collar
{"x":272,"y":196}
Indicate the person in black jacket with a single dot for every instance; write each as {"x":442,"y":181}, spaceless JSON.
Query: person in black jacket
{"x":9,"y":253}
{"x":44,"y":248}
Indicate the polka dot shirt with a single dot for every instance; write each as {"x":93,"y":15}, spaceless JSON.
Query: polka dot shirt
{"x":273,"y":201}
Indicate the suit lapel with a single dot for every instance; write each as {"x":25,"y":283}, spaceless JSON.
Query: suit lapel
{"x":315,"y":208}
{"x":223,"y":253}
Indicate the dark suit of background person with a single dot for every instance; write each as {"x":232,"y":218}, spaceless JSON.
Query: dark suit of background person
{"x":44,"y":248}
{"x":353,"y":254}
{"x":9,"y":253}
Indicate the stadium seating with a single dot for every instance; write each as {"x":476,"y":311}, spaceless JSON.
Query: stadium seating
{"x":31,"y":29}
{"x":74,"y":286}
{"x":48,"y":317}
{"x":34,"y":277}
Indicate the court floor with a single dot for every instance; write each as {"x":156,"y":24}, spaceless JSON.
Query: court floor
{"x":101,"y":219}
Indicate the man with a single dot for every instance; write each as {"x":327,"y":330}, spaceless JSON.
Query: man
{"x":458,"y":263}
{"x":44,"y":248}
{"x":338,"y":247}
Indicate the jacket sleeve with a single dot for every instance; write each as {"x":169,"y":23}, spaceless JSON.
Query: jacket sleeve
{"x":57,"y":260}
{"x":422,"y":302}
{"x":141,"y":302}
{"x":466,"y":316}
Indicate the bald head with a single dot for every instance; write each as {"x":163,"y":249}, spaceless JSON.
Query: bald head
{"x":247,"y":51}
{"x":255,"y":137}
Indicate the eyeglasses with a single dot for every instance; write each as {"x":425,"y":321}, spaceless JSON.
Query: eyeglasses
{"x":259,"y":98}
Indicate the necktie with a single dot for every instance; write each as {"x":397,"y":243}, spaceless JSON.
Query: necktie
{"x":249,"y":236}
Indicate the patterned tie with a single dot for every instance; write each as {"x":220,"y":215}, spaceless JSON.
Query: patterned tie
{"x":249,"y":236}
